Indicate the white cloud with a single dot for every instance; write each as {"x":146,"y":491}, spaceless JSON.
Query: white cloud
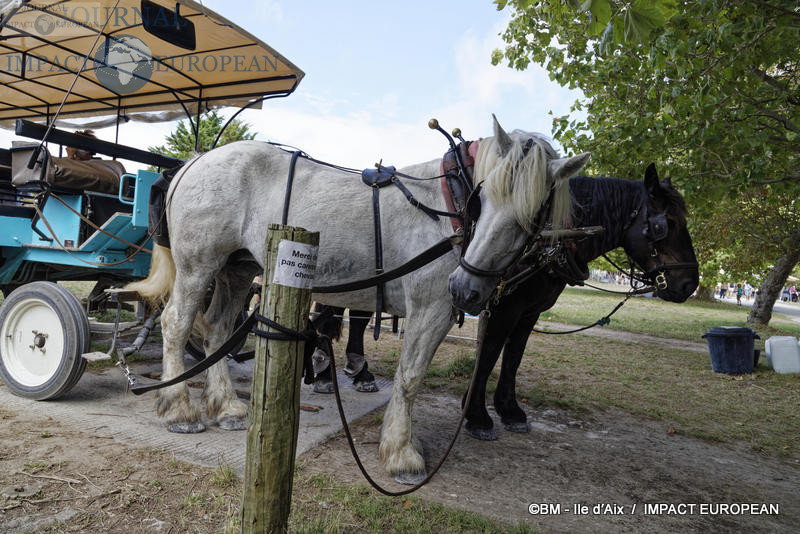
{"x":358,"y":130}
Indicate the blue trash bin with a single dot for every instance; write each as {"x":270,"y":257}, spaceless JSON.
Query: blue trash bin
{"x":731,"y":349}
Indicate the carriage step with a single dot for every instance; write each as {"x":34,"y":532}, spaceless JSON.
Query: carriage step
{"x":123,"y":294}
{"x":95,"y":356}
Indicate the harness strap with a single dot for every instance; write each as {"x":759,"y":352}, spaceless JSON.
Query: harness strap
{"x":289,"y":183}
{"x":376,"y":215}
{"x":430,"y":212}
{"x":283,"y":334}
{"x":238,"y":335}
{"x":436,"y":251}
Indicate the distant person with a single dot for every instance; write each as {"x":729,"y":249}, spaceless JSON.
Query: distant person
{"x":722,"y":290}
{"x":739,"y":293}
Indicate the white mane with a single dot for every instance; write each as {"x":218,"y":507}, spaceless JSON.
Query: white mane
{"x":521,"y":180}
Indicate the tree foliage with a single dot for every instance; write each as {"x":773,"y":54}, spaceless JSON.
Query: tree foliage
{"x":181,"y":142}
{"x":708,"y":89}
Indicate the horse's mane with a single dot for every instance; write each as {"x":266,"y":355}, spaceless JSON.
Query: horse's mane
{"x":520,"y":179}
{"x":604,"y":201}
{"x":608,"y":202}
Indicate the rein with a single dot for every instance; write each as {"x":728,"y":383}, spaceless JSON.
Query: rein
{"x":482,"y":324}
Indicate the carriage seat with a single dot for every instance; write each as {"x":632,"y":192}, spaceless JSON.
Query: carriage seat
{"x":95,"y":175}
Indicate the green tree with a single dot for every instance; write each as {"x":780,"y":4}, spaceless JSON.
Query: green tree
{"x":181,"y":142}
{"x":708,"y":89}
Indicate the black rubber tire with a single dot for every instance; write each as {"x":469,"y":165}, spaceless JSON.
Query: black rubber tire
{"x":57,"y":313}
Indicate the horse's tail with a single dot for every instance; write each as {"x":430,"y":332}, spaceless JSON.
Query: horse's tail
{"x":157,"y":287}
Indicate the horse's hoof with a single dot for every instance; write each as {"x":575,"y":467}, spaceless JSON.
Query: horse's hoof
{"x":409,"y":479}
{"x":323,"y":387}
{"x":489,"y":434}
{"x":186,"y":428}
{"x":366,"y":387}
{"x":521,"y":428}
{"x":232,"y":423}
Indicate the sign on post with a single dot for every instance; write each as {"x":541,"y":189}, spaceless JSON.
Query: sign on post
{"x":289,"y":265}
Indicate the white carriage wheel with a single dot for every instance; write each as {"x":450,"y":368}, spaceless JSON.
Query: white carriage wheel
{"x":43,"y":332}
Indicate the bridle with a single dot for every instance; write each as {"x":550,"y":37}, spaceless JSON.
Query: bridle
{"x":472,"y":212}
{"x":654,"y":231}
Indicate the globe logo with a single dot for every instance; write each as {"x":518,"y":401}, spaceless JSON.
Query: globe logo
{"x":123,"y":64}
{"x":44,"y":24}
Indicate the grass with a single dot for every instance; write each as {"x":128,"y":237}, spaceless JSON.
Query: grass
{"x":688,"y":320}
{"x":673,"y":386}
{"x":321,"y":505}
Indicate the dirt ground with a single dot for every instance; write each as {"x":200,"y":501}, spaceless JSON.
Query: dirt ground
{"x":588,"y":473}
{"x":607,"y":459}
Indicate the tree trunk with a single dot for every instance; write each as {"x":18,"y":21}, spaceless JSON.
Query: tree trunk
{"x":705,"y":293}
{"x":770,"y":289}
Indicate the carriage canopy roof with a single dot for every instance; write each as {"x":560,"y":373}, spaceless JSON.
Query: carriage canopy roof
{"x":143,"y":56}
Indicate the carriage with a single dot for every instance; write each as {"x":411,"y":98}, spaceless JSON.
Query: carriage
{"x":70,"y":65}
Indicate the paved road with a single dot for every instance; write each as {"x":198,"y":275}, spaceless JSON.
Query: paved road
{"x":789,"y":309}
{"x":100,"y":404}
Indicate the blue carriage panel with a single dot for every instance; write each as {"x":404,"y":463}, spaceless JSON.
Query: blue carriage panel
{"x":64,"y":222}
{"x":15,"y":231}
{"x":141,"y":197}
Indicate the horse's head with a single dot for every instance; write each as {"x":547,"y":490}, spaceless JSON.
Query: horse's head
{"x":658,"y":241}
{"x":519,"y":172}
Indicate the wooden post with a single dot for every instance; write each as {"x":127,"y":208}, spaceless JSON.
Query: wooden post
{"x":289,"y":264}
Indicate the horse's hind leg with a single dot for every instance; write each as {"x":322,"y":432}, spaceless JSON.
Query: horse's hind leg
{"x":172,"y":403}
{"x":230,"y":295}
{"x":400,"y":453}
{"x":357,"y":367}
{"x":505,"y":397}
{"x":331,"y":328}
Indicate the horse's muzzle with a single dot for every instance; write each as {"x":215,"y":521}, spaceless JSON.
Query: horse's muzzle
{"x":679,"y":288}
{"x":469,"y":293}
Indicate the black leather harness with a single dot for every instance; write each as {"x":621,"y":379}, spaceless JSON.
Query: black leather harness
{"x":377,"y":179}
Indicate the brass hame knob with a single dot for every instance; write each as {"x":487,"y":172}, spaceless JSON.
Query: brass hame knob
{"x":456,"y":132}
{"x":433,"y":124}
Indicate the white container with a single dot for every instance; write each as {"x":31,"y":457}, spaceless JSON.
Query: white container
{"x":783,"y":354}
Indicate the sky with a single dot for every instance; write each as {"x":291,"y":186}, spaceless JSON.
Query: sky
{"x":376,"y":72}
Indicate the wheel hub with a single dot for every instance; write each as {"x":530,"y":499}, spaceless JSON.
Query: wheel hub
{"x":39,"y":339}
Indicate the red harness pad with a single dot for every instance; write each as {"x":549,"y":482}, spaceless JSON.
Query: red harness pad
{"x":469,"y":162}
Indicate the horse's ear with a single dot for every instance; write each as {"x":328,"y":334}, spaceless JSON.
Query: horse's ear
{"x":504,"y":142}
{"x":559,"y":169}
{"x":651,"y":179}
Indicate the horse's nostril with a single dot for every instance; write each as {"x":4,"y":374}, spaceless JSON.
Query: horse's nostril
{"x":474,"y":296}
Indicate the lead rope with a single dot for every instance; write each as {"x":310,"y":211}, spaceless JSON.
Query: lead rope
{"x":483,"y":319}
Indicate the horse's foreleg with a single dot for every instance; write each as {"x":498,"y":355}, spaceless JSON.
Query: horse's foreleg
{"x":400,"y":453}
{"x":230,"y":294}
{"x":505,"y":397}
{"x":479,"y":424}
{"x":172,"y":403}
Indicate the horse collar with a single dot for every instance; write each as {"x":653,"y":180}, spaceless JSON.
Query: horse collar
{"x":455,"y":188}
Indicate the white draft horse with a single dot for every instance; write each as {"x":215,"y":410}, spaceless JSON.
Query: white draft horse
{"x":219,"y":207}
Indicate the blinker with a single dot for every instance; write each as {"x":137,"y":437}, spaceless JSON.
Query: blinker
{"x":473,"y":208}
{"x":658,"y":227}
